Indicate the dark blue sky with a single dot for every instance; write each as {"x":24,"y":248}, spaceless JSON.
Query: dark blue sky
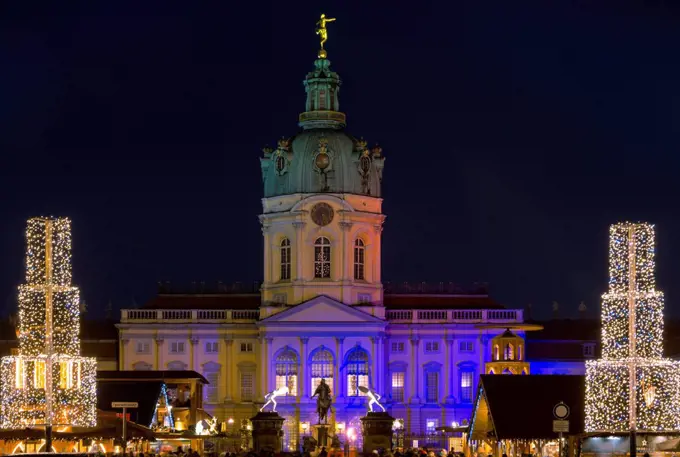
{"x":514,"y":132}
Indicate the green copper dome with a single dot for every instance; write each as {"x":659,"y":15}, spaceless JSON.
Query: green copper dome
{"x":322,"y":157}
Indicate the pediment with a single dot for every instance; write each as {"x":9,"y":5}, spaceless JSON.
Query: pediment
{"x":322,"y":309}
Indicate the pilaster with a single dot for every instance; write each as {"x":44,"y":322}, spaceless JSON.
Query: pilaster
{"x":124,"y":342}
{"x":299,"y":252}
{"x":449,"y":374}
{"x":159,"y":353}
{"x":415,"y":370}
{"x":193,"y":343}
{"x":227,"y":368}
{"x":341,"y":380}
{"x":303,"y":376}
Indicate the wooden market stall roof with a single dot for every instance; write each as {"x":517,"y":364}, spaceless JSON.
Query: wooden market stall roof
{"x":146,"y":394}
{"x":521,"y":407}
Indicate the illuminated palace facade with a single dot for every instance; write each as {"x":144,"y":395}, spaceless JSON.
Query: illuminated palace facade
{"x":321,"y":310}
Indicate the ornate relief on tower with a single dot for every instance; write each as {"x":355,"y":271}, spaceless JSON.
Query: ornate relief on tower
{"x":323,"y":163}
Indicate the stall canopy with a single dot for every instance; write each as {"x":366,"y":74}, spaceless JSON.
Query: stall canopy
{"x":521,"y":407}
{"x":146,"y":394}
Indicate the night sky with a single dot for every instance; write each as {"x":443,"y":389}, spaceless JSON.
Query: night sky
{"x":514,"y":134}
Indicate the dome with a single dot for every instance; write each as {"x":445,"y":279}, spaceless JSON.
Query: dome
{"x":322,"y":157}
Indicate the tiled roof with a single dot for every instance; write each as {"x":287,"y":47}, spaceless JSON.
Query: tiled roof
{"x":207,"y":301}
{"x":425,"y":301}
{"x":150,"y":375}
{"x":521,"y":407}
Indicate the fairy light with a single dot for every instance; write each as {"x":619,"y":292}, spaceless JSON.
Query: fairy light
{"x":48,"y":383}
{"x":618,"y":386}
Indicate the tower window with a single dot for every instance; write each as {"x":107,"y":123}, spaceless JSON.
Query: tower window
{"x":359,"y":259}
{"x":508,"y":352}
{"x":285,"y":259}
{"x":322,"y":258}
{"x":322,"y":99}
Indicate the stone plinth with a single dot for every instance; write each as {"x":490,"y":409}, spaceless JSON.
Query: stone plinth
{"x":267,"y":432}
{"x":377,"y":431}
{"x":321,"y":435}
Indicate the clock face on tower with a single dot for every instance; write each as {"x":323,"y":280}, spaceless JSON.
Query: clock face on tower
{"x":322,"y":214}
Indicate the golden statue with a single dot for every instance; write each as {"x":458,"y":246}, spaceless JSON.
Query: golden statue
{"x":323,"y":33}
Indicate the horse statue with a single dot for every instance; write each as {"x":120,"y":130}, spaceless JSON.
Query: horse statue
{"x":323,"y":401}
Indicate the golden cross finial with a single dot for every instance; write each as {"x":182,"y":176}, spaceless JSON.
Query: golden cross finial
{"x":323,"y":33}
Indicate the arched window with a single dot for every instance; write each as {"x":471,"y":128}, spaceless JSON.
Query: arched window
{"x":357,"y":372}
{"x":284,"y":250}
{"x":359,"y":258}
{"x":287,"y":370}
{"x":496,"y":352}
{"x":322,"y":367}
{"x":508,"y":352}
{"x":520,"y":351}
{"x":322,"y":258}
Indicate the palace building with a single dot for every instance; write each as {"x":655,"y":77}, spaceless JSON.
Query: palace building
{"x":322,"y":310}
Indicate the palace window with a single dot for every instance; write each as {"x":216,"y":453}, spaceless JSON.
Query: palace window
{"x":466,"y":346}
{"x":211,"y":390}
{"x":432,"y":371}
{"x":143,"y":347}
{"x":398,"y":386}
{"x":359,"y":259}
{"x":246,"y":347}
{"x":432,"y":346}
{"x":589,"y":350}
{"x":397,"y":346}
{"x":287,"y":371}
{"x":431,"y":426}
{"x":247,"y":386}
{"x":177,"y":347}
{"x":177,"y":365}
{"x":322,"y":367}
{"x":322,"y":258}
{"x":508,"y":352}
{"x":466,"y":381}
{"x":357,"y":372}
{"x":284,"y":250}
{"x":212,"y":347}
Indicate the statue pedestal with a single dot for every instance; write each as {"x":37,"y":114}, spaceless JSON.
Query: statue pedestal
{"x":267,"y":432}
{"x":321,"y":435}
{"x":377,"y":431}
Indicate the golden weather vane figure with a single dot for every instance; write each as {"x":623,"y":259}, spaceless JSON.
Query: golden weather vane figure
{"x":323,"y":33}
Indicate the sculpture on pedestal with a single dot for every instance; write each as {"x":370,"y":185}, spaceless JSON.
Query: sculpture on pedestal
{"x":323,"y":401}
{"x":271,"y":397}
{"x":373,"y":396}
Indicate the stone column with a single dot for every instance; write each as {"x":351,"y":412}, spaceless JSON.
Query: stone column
{"x":375,"y":259}
{"x":122,"y":349}
{"x":373,"y":379}
{"x":193,"y":343}
{"x":341,"y":380}
{"x":159,"y":353}
{"x":302,"y":375}
{"x":415,"y":370}
{"x":299,"y":254}
{"x":267,"y":367}
{"x":448,"y":367}
{"x":347,"y":265}
{"x":227,"y":368}
{"x":267,"y":252}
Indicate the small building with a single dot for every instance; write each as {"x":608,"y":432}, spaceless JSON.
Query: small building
{"x":513,"y":415}
{"x":507,"y":355}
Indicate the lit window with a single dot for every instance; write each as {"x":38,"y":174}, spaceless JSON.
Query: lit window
{"x":143,"y":347}
{"x":520,"y":352}
{"x":509,"y":352}
{"x":466,"y":378}
{"x":431,"y":425}
{"x":364,"y":298}
{"x":589,"y":350}
{"x":466,"y":346}
{"x":246,"y":347}
{"x":177,"y":347}
{"x":398,"y":386}
{"x":322,"y":368}
{"x":357,"y":372}
{"x":496,"y":352}
{"x":247,"y":386}
{"x":212,"y":347}
{"x":431,"y":386}
{"x":322,"y":258}
{"x":284,"y":250}
{"x":398,"y":346}
{"x":359,"y":259}
{"x":432,"y":346}
{"x":286,"y":371}
{"x":211,"y":389}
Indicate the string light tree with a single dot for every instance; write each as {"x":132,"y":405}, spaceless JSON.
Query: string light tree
{"x":48,"y":384}
{"x":632,"y":388}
